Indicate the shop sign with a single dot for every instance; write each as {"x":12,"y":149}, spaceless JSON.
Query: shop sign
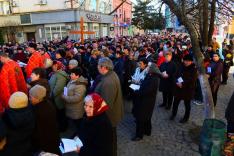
{"x":93,"y":17}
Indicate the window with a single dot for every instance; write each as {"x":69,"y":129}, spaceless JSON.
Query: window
{"x":55,"y":32}
{"x":93,"y":5}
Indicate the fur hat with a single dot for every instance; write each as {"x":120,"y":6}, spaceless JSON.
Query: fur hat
{"x":18,"y":100}
{"x":106,"y":62}
{"x":38,"y":92}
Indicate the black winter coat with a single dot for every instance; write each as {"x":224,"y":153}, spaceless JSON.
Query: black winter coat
{"x":189,"y":75}
{"x":46,"y":134}
{"x":145,"y":98}
{"x":230,"y":110}
{"x":167,"y":84}
{"x":216,"y":72}
{"x":19,"y":125}
{"x":96,"y":135}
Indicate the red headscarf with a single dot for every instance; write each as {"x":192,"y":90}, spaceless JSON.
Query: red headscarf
{"x":99,"y":105}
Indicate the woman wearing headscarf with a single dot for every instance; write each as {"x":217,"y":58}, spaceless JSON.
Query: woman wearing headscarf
{"x":96,"y":130}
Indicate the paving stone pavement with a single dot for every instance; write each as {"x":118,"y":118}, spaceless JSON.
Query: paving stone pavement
{"x":169,"y":138}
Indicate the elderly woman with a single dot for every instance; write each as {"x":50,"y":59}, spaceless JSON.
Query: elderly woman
{"x":46,"y":135}
{"x":96,"y":130}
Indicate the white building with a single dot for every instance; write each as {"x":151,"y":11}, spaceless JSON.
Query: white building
{"x":53,"y":19}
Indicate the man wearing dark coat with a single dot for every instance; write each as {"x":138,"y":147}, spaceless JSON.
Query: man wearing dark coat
{"x":185,"y":87}
{"x":110,"y":90}
{"x":145,"y":102}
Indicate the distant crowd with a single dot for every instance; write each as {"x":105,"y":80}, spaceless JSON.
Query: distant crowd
{"x":48,"y":87}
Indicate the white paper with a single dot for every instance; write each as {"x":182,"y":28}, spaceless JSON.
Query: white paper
{"x":135,"y":87}
{"x":65,"y":91}
{"x":180,"y":80}
{"x":22,"y":64}
{"x":209,"y":69}
{"x":70,"y":145}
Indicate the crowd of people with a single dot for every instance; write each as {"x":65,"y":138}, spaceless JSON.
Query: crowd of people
{"x":48,"y":87}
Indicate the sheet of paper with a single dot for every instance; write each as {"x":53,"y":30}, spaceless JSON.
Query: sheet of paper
{"x":180,"y":80}
{"x":70,"y":145}
{"x":209,"y":69}
{"x":78,"y":142}
{"x":135,"y":87}
{"x":65,"y":91}
{"x":22,"y":64}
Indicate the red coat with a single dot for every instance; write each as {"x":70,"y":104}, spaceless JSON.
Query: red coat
{"x":34,"y":61}
{"x":12,"y":80}
{"x":45,"y":56}
{"x":161,"y":59}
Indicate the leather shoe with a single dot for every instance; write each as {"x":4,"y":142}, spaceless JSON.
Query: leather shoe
{"x":136,"y":139}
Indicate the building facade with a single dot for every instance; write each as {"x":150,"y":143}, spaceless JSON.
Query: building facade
{"x":122,"y":18}
{"x":45,"y":20}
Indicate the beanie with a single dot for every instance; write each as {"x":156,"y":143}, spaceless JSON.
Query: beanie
{"x":18,"y":100}
{"x":38,"y":92}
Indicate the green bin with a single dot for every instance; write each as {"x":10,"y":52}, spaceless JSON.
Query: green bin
{"x":212,"y":138}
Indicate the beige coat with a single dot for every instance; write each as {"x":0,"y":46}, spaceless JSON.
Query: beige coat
{"x":74,"y":102}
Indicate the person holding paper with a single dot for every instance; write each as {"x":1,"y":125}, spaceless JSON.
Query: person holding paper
{"x":216,"y":67}
{"x":185,"y":87}
{"x":166,"y":86}
{"x":74,"y":100}
{"x":95,"y":131}
{"x":145,"y":102}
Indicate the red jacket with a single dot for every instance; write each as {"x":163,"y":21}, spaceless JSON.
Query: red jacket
{"x":34,"y":61}
{"x":12,"y":80}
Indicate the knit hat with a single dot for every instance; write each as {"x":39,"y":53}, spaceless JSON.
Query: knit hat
{"x":99,"y":105}
{"x":73,"y":62}
{"x":38,"y":92}
{"x":188,"y":58}
{"x":106,"y":62}
{"x":18,"y":100}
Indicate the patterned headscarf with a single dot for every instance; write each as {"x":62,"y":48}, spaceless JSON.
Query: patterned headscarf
{"x":99,"y":105}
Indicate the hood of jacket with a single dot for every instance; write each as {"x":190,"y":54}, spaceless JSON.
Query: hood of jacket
{"x":81,"y":80}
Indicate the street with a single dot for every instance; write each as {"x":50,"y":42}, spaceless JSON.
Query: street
{"x":169,"y":138}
